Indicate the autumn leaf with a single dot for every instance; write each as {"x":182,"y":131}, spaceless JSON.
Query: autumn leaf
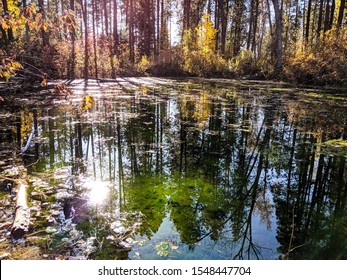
{"x":4,"y":25}
{"x":44,"y":83}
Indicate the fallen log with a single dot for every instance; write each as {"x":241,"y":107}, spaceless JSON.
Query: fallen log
{"x":21,"y":221}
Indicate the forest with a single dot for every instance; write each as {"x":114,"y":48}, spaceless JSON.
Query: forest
{"x":173,"y":129}
{"x":301,"y":41}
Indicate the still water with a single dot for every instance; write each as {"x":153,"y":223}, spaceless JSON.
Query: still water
{"x":190,"y":169}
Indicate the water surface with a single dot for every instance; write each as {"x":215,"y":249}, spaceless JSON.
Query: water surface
{"x":200,"y":169}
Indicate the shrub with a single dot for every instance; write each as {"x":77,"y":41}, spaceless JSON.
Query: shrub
{"x":143,"y":65}
{"x":243,"y":64}
{"x":168,"y":63}
{"x":198,"y":51}
{"x":326,"y":63}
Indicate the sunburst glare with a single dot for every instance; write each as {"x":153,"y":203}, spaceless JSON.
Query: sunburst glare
{"x":98,"y":191}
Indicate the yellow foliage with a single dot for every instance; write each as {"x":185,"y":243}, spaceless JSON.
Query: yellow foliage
{"x":324,"y":63}
{"x":27,"y":120}
{"x":206,"y":35}
{"x":202,"y":110}
{"x":199,"y":50}
{"x":8,"y":67}
{"x":88,"y":102}
{"x":144,"y":64}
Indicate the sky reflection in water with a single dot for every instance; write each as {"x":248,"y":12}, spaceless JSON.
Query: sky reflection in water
{"x":219,"y":172}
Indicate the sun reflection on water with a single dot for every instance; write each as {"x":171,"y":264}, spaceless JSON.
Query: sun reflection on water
{"x":98,"y":191}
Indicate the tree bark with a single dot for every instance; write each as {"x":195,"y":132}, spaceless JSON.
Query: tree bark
{"x":341,"y":13}
{"x":327,"y":14}
{"x":320,"y":17}
{"x":22,"y":216}
{"x":115,"y":28}
{"x":278,"y":45}
{"x":308,"y":18}
{"x":94,"y":40}
{"x":332,"y":12}
{"x":224,"y":17}
{"x":73,"y":51}
{"x":85,"y":20}
{"x":131,"y":32}
{"x":44,"y":34}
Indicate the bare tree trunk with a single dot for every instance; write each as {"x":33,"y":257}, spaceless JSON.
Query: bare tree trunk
{"x":94,"y":41}
{"x":341,"y":13}
{"x":44,"y":34}
{"x":255,"y":26}
{"x":332,"y":12}
{"x":105,"y":17}
{"x":85,"y":20}
{"x":327,"y":14}
{"x":308,"y":18}
{"x":278,"y":47}
{"x":224,"y":23}
{"x":131,"y":31}
{"x":158,"y":27}
{"x":22,"y":216}
{"x":155,"y":52}
{"x":250,"y":25}
{"x":320,"y":17}
{"x":115,"y":28}
{"x":73,"y":52}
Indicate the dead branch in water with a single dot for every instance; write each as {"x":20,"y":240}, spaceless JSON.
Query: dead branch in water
{"x":21,"y":221}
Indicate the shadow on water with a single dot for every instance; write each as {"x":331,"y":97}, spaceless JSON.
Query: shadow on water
{"x":157,"y":169}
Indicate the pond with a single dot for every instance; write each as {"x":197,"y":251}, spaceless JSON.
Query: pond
{"x":149,"y":168}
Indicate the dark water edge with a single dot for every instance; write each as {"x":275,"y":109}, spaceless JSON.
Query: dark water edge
{"x":149,"y":168}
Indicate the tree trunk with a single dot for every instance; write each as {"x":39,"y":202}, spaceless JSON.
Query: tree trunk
{"x":238,"y":26}
{"x":278,"y":45}
{"x":22,"y":216}
{"x":217,"y":20}
{"x":250,"y":25}
{"x":341,"y":13}
{"x":332,"y":12}
{"x":86,"y":54}
{"x":158,"y":27}
{"x":155,"y":52}
{"x":327,"y":14}
{"x":44,"y":34}
{"x":255,"y":26}
{"x":131,"y":32}
{"x":320,"y":17}
{"x":94,"y":40}
{"x":308,"y":18}
{"x":224,"y":17}
{"x":186,"y":14}
{"x":73,"y":52}
{"x":115,"y":28}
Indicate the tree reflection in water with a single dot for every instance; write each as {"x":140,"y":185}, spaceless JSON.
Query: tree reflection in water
{"x":245,"y":172}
